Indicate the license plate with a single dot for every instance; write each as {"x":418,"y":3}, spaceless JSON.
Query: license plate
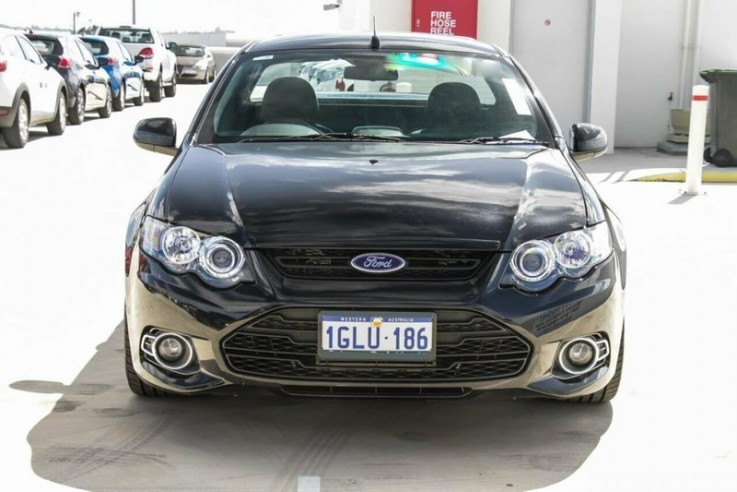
{"x":376,"y":336}
{"x":189,"y":71}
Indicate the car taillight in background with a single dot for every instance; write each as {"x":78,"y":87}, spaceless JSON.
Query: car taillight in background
{"x":64,"y":63}
{"x":146,"y":53}
{"x":3,"y":64}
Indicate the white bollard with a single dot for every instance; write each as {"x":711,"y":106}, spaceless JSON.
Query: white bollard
{"x":696,"y":138}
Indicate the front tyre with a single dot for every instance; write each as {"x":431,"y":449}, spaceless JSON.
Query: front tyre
{"x":119,"y":102}
{"x":16,"y":135}
{"x":107,"y":109}
{"x":59,"y":123}
{"x":141,"y":98}
{"x":156,"y":90}
{"x":76,"y":115}
{"x":171,"y":90}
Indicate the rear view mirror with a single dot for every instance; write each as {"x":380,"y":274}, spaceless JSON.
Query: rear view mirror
{"x":138,"y":59}
{"x":370,"y":72}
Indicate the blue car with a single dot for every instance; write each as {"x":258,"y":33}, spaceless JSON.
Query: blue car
{"x":125,"y":76}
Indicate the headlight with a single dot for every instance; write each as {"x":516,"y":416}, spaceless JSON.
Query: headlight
{"x":535,"y":265}
{"x":217,"y":260}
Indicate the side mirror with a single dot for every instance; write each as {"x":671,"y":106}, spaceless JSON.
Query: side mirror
{"x":138,"y":59}
{"x":103,"y":61}
{"x":157,"y":135}
{"x":588,"y":141}
{"x":171,"y":45}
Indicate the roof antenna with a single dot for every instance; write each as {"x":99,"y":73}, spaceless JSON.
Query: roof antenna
{"x":375,"y":42}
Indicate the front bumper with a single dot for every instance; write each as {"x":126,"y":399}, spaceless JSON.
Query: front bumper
{"x":191,"y":72}
{"x":488,"y":337}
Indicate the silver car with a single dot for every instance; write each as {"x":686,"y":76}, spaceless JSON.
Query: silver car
{"x":194,"y":62}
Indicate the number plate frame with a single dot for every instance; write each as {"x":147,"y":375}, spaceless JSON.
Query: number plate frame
{"x":425,"y":319}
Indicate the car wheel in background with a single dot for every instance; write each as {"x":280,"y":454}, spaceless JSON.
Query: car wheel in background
{"x":119,"y":102}
{"x":16,"y":136}
{"x":107,"y":109}
{"x":59,"y":123}
{"x":76,"y":115}
{"x":155,"y":92}
{"x":140,"y":98}
{"x":171,"y":90}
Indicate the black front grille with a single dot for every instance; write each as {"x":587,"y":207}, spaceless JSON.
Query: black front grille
{"x":283,"y":345}
{"x":421,"y":264}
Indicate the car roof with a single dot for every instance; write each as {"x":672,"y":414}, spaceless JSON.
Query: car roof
{"x":127,"y":26}
{"x":6,"y":30}
{"x":398,"y":41}
{"x":97,"y":37}
{"x":33,"y":35}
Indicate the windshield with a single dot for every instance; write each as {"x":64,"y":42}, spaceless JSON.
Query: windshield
{"x":184,"y":50}
{"x":401,"y":96}
{"x":128,"y":35}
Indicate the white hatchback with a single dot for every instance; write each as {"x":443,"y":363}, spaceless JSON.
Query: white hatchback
{"x":31,"y":93}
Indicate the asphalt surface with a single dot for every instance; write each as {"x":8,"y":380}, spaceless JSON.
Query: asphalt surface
{"x":70,"y":422}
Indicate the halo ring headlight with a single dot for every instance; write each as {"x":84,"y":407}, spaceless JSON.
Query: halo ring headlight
{"x":533,"y":261}
{"x":221,"y":258}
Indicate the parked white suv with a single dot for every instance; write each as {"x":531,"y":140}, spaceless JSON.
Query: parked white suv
{"x":31,"y":92}
{"x":158,"y":63}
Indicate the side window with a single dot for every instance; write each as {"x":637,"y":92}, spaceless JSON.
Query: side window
{"x":12,"y":48}
{"x":29,"y":51}
{"x":87,"y":55}
{"x":74,"y":53}
{"x":124,"y":53}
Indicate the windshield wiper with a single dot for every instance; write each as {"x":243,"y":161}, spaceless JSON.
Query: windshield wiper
{"x":503,"y":141}
{"x":322,"y":137}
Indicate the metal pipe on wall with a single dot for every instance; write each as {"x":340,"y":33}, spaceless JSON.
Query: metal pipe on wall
{"x":684,"y":94}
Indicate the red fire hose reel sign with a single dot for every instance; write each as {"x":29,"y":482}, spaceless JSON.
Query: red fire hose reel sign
{"x":447,"y":17}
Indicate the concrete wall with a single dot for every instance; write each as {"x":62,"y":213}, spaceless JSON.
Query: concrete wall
{"x":659,"y":57}
{"x":550,"y":39}
{"x":649,"y":68}
{"x":718,"y":35}
{"x":604,"y":69}
{"x":495,"y":22}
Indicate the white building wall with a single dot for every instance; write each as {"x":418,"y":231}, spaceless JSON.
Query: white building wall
{"x":391,"y":15}
{"x":718,"y":36}
{"x":649,"y":70}
{"x":495,"y":22}
{"x":605,"y":67}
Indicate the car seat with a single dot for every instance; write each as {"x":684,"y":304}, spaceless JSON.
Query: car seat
{"x":289,"y":99}
{"x":453,"y":106}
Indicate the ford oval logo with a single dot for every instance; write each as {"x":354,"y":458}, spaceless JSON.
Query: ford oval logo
{"x":378,"y":263}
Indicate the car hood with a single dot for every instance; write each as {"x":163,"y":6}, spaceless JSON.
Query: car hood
{"x":382,"y":195}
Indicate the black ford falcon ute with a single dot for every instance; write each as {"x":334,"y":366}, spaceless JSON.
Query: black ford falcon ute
{"x":363,"y":215}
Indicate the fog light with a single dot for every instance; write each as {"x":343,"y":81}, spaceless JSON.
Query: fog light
{"x":578,"y":356}
{"x":580,"y":353}
{"x":172,"y":351}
